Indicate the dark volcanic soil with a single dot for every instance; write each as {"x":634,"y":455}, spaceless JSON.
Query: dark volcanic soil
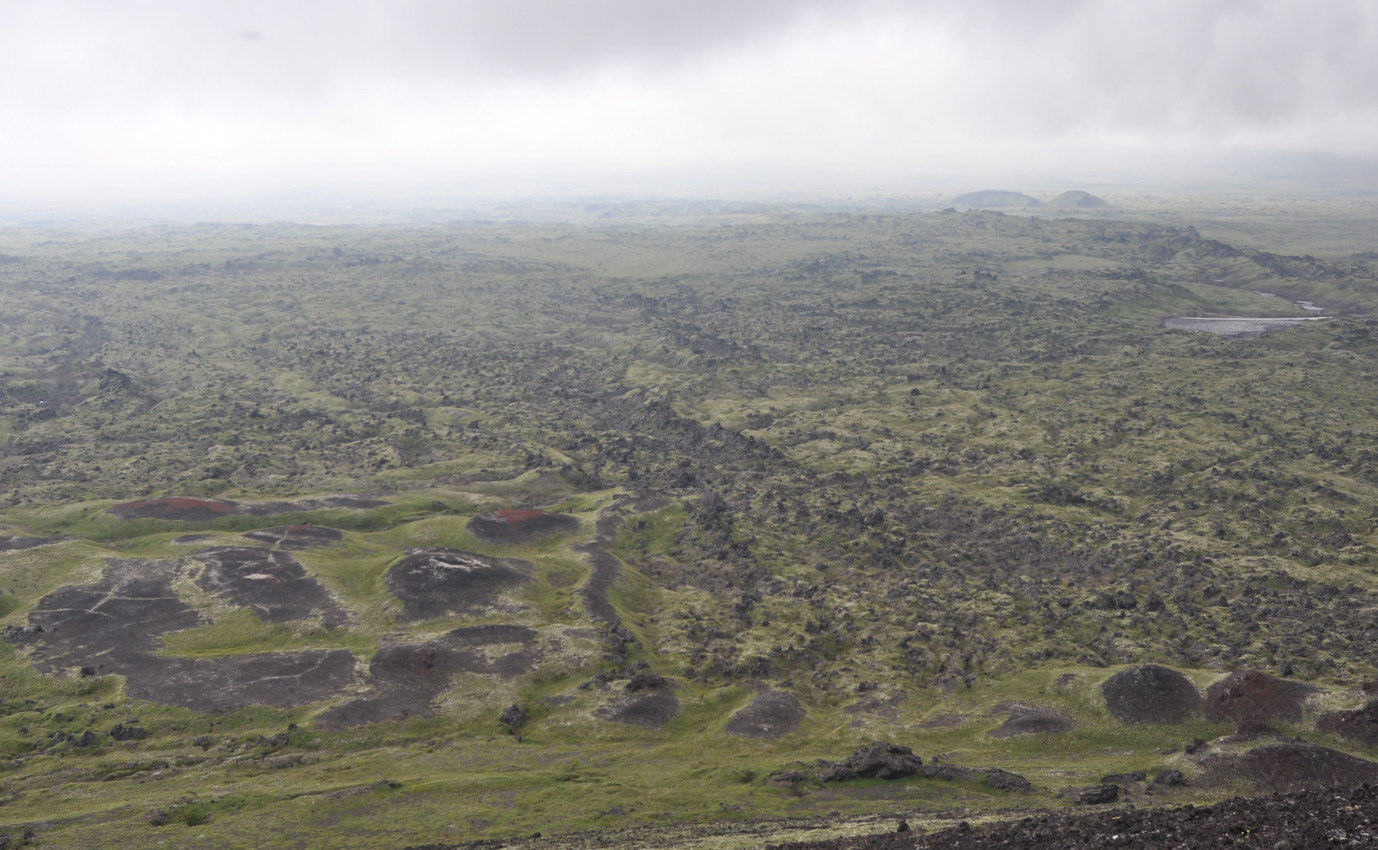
{"x":1301,"y":820}
{"x":406,"y":678}
{"x":438,"y":582}
{"x":282,"y":679}
{"x":649,"y":709}
{"x":516,"y":525}
{"x":116,"y":626}
{"x":13,"y":544}
{"x":297,"y":536}
{"x":770,"y":715}
{"x":271,"y":583}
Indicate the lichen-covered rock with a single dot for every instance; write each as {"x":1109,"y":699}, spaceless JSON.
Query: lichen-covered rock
{"x":877,"y":760}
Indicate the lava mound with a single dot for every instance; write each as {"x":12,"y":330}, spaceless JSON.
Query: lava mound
{"x":518,"y":525}
{"x":297,"y":536}
{"x":1151,"y":694}
{"x":185,"y":508}
{"x":1290,"y":766}
{"x":440,"y":582}
{"x":770,"y":715}
{"x":1252,"y":698}
{"x":1360,"y":725}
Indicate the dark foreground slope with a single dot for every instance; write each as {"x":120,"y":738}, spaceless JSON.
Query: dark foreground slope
{"x":1339,"y":817}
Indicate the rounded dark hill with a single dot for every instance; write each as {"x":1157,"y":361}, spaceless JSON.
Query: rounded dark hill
{"x":185,"y":508}
{"x":519,"y":525}
{"x":1149,"y":693}
{"x":993,"y":198}
{"x":1077,"y":199}
{"x":1251,"y":698}
{"x":437,"y":582}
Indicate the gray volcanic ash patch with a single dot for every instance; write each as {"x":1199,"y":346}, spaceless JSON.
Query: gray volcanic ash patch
{"x":282,"y":679}
{"x":297,"y":536}
{"x":109,"y":624}
{"x":440,"y":582}
{"x":406,"y":678}
{"x":116,"y":626}
{"x":14,"y":544}
{"x":770,"y":715}
{"x":271,"y":583}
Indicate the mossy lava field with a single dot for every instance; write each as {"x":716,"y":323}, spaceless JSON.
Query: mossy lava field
{"x":681,"y":525}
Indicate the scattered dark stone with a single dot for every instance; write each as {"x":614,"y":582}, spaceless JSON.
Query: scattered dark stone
{"x":121,"y":732}
{"x":21,"y":634}
{"x":516,"y":525}
{"x":1003,"y":780}
{"x":440,"y":582}
{"x":1171,"y":779}
{"x":877,"y":760}
{"x":771,"y":714}
{"x":1360,"y":725}
{"x":1253,"y":697}
{"x":1149,"y":693}
{"x":513,"y":717}
{"x":1124,"y":778}
{"x":1297,"y":821}
{"x":1196,"y":746}
{"x":947,"y":772}
{"x":646,"y":681}
{"x":1092,"y":795}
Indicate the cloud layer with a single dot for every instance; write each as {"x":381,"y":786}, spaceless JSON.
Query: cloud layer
{"x":150,"y":97}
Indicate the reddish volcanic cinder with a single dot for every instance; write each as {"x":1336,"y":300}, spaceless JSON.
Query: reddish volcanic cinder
{"x":189,"y":508}
{"x":517,"y":525}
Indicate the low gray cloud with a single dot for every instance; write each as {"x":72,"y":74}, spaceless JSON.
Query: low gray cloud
{"x":161,"y":96}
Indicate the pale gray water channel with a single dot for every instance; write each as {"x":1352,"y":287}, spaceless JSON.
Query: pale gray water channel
{"x":1243,"y":326}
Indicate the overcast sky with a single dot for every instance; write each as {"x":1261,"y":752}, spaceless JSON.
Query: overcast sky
{"x":186,"y":97}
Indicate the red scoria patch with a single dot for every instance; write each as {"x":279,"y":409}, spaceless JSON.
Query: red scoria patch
{"x":517,"y":516}
{"x":175,"y":507}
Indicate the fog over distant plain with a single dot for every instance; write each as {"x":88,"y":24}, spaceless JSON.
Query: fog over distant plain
{"x":151,"y":99}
